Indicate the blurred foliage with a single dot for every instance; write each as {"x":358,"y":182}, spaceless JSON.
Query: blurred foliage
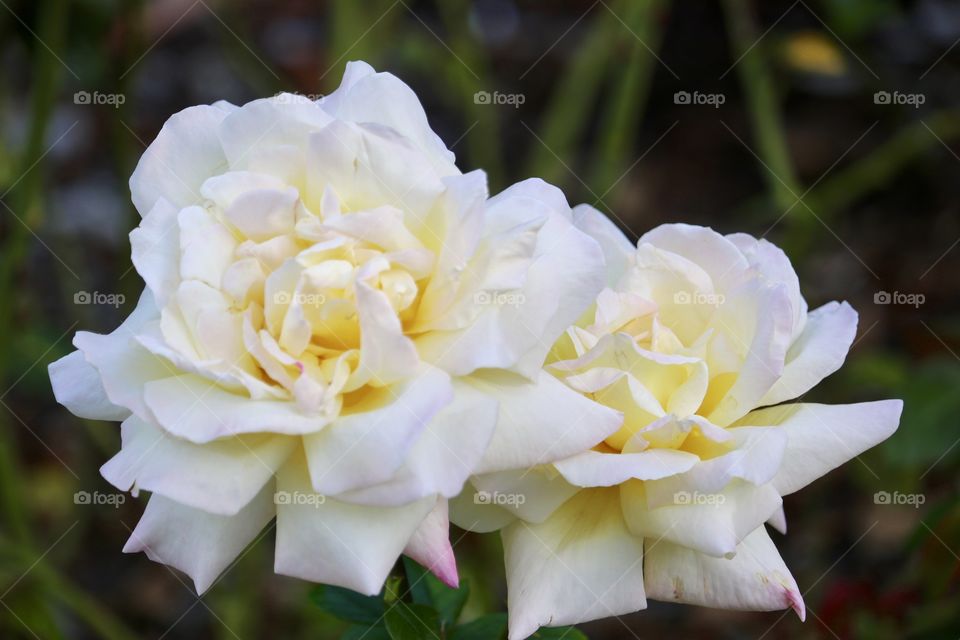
{"x":781,"y":158}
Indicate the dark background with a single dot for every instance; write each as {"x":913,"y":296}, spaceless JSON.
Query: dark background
{"x":864,"y":195}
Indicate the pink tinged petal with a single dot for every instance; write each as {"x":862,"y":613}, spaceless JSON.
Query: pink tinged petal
{"x":155,"y":248}
{"x":822,"y":437}
{"x":367,"y":446}
{"x":185,"y":152}
{"x":76,"y":385}
{"x":430,"y":546}
{"x":190,"y":407}
{"x":200,"y":544}
{"x":816,"y":353}
{"x":710,"y":523}
{"x":755,"y":579}
{"x":540,"y":421}
{"x":123,"y":364}
{"x":444,"y":455}
{"x":617,"y":249}
{"x":595,"y":469}
{"x":324,"y":540}
{"x":220,"y":477}
{"x":580,"y":564}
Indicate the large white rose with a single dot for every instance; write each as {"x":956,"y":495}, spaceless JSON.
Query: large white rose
{"x":694,"y":333}
{"x":333,"y":315}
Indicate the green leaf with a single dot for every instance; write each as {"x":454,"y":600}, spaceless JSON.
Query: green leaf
{"x":426,"y":588}
{"x":412,"y":622}
{"x":488,"y":627}
{"x":361,"y":632}
{"x":348,"y":605}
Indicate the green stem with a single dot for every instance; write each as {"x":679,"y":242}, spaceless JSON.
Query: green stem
{"x":764,"y":110}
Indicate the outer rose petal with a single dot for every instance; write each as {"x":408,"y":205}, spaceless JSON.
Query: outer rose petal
{"x":193,"y":408}
{"x":323,"y":540}
{"x":579,"y":565}
{"x":617,"y":249}
{"x":186,"y":151}
{"x":444,"y":455}
{"x":198,"y":543}
{"x":536,"y":492}
{"x":540,"y":422}
{"x":713,"y":528}
{"x":367,"y":96}
{"x":219,"y":477}
{"x":123,"y":365}
{"x":756,"y":579}
{"x":822,"y":437}
{"x":564,"y":277}
{"x":715,"y":254}
{"x":77,"y":386}
{"x":155,"y":249}
{"x":816,"y":353}
{"x":368,"y":446}
{"x":430,"y":545}
{"x":481,"y":517}
{"x":595,"y":469}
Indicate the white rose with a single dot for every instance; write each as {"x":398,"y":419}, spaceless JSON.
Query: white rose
{"x":322,"y":337}
{"x":695,"y":332}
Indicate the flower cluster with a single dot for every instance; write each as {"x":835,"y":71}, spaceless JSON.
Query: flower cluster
{"x":343,"y":332}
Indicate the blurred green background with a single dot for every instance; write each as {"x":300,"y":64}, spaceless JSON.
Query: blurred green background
{"x":831,"y":128}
